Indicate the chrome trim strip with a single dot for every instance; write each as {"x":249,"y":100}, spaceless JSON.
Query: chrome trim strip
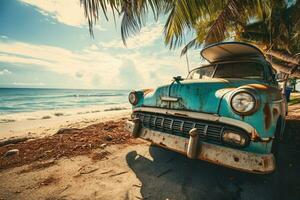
{"x":202,"y":116}
{"x":172,"y":99}
{"x":278,"y":101}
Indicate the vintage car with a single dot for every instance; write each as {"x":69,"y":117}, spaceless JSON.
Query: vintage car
{"x":230,"y":112}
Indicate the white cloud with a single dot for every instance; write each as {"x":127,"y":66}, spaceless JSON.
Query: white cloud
{"x":4,"y":37}
{"x":98,"y":68}
{"x":5,"y":72}
{"x":94,"y":47}
{"x":68,"y":12}
{"x":146,"y":37}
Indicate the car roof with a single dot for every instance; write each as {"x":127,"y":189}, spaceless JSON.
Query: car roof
{"x":225,"y":51}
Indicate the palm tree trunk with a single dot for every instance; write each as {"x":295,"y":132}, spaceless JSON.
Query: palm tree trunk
{"x":284,"y":67}
{"x":284,"y":57}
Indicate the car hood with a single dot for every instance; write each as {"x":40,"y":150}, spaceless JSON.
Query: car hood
{"x":194,"y":95}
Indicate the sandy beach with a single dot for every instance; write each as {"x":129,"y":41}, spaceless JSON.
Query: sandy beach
{"x":91,"y":156}
{"x":102,"y":161}
{"x":48,"y":122}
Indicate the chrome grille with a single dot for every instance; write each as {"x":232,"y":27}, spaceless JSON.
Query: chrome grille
{"x":181,"y":126}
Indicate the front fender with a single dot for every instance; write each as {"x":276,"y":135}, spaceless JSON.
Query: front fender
{"x":264,"y":120}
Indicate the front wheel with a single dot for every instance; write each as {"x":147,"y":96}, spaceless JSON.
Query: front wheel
{"x":276,"y":141}
{"x":275,"y":148}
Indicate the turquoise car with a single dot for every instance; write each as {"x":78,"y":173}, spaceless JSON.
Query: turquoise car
{"x":230,"y":112}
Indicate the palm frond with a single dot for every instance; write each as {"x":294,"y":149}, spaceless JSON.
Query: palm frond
{"x":92,"y":8}
{"x":183,"y":15}
{"x":235,"y":12}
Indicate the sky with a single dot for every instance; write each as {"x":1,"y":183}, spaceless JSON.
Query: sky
{"x":46,"y":44}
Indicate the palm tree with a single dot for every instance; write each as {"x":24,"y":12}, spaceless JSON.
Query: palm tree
{"x":293,"y":82}
{"x":273,"y":25}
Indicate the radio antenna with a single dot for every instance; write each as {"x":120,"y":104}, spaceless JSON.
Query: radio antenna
{"x":187,"y":58}
{"x":187,"y":62}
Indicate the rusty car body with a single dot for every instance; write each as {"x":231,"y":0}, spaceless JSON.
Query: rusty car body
{"x":230,"y":112}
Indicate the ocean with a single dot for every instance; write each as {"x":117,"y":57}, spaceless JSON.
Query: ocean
{"x":16,"y":100}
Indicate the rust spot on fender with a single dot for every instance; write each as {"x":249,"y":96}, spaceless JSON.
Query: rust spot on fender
{"x":275,"y":112}
{"x":162,"y":144}
{"x":267,"y":116}
{"x":273,"y":93}
{"x":259,"y":86}
{"x":236,"y":159}
{"x":147,"y":91}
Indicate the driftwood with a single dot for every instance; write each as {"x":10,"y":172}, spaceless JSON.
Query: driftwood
{"x":68,"y":131}
{"x":117,"y":174}
{"x":14,"y":140}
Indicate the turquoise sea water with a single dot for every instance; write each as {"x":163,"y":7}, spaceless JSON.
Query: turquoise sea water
{"x":13,"y":100}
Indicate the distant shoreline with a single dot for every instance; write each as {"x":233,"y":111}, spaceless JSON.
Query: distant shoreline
{"x":17,"y":100}
{"x":50,"y":88}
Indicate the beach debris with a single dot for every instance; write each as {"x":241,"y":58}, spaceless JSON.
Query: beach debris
{"x":58,"y":114}
{"x":7,"y":120}
{"x":37,"y":166}
{"x":109,"y":138}
{"x":68,"y":131}
{"x":164,"y":173}
{"x":117,"y":174}
{"x":86,"y":170}
{"x":115,"y":109}
{"x":103,"y":145}
{"x":100,"y":155}
{"x":106,"y":172}
{"x":14,"y":140}
{"x":67,"y":145}
{"x":65,"y":188}
{"x":135,"y":185}
{"x":144,"y":198}
{"x":110,"y":126}
{"x":31,"y":118}
{"x":48,"y":181}
{"x":11,"y":152}
{"x":46,"y":117}
{"x":30,"y":133}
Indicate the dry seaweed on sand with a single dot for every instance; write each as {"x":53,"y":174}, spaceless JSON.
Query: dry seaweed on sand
{"x":82,"y":142}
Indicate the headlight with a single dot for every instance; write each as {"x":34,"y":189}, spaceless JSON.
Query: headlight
{"x":243,"y":103}
{"x":234,"y":138}
{"x":132,"y":97}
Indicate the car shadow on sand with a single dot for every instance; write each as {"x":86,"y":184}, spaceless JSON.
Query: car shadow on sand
{"x":168,"y":175}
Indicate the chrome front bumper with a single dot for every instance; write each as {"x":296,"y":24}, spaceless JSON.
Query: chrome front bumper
{"x":229,"y":157}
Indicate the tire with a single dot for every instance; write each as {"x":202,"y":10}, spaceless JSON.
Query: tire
{"x":275,"y":148}
{"x":277,"y":139}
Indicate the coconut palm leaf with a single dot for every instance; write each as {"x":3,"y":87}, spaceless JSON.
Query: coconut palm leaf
{"x":209,"y":20}
{"x":182,"y":18}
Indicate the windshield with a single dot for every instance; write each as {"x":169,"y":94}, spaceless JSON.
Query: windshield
{"x":249,"y":70}
{"x":202,"y":73}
